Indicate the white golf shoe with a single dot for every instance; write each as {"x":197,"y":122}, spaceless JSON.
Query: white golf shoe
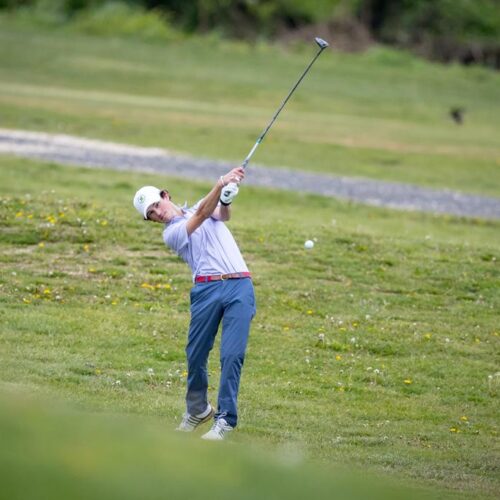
{"x":190,"y":422}
{"x":218,"y":430}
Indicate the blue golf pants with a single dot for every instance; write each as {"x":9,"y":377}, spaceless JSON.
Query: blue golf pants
{"x":232,"y":302}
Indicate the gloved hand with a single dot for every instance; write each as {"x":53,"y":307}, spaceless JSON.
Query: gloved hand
{"x":228,"y":193}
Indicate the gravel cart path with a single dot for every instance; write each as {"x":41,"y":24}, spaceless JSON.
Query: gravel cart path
{"x":70,"y":150}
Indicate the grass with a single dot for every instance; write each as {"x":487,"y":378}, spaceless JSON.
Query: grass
{"x":70,"y":454}
{"x":381,"y":114}
{"x":376,"y":349}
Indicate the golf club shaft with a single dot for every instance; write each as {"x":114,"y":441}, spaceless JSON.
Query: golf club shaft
{"x":261,"y":137}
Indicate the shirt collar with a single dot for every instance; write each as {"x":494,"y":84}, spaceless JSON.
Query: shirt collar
{"x":184,"y":209}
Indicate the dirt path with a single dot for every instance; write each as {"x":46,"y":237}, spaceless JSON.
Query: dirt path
{"x":70,"y":150}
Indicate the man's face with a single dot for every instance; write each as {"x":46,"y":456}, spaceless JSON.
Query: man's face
{"x":157,"y":212}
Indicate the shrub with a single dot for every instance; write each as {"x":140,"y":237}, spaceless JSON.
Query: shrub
{"x":120,"y":19}
{"x":49,"y":12}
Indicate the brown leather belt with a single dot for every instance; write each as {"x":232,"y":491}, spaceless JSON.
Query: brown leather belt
{"x":221,"y":277}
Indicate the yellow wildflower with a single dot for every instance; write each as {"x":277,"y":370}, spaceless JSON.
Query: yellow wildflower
{"x":165,"y":286}
{"x":408,"y":381}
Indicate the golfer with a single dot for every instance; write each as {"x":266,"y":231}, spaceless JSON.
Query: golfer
{"x":222,"y":292}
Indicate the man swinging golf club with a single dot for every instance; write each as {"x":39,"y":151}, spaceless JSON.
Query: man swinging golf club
{"x":222,"y":291}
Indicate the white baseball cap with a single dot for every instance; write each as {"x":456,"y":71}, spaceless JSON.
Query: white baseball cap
{"x":145,"y":197}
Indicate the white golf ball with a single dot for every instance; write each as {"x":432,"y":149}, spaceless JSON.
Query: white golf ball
{"x":309,"y":244}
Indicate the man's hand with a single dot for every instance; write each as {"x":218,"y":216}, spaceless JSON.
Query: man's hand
{"x":228,"y":193}
{"x":231,"y":181}
{"x":208,"y":205}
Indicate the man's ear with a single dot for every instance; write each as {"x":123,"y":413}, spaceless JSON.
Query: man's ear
{"x":165,"y":194}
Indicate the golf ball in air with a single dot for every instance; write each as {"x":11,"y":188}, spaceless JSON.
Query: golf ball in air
{"x":309,"y":244}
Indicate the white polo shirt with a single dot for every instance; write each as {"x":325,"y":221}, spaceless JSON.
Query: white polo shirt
{"x":210,"y":249}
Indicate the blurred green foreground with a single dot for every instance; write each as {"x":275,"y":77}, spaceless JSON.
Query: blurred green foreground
{"x":61,"y":453}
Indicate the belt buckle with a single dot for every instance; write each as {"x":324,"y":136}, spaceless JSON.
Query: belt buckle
{"x":222,"y":277}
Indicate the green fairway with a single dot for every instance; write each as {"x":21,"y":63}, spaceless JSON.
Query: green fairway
{"x":377,"y":349}
{"x":381,"y":114}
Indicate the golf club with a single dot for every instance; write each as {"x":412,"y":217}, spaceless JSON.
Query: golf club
{"x":322,"y":44}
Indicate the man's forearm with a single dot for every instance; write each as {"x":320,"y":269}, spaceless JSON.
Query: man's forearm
{"x":225,"y":212}
{"x":222,"y":213}
{"x":208,"y":205}
{"x":210,"y":202}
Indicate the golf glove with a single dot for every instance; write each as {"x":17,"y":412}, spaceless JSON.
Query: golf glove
{"x":228,"y":193}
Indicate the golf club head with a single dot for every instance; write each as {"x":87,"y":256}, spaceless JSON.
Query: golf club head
{"x":322,"y":44}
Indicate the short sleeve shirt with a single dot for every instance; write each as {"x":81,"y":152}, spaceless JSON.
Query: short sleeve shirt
{"x":210,"y":249}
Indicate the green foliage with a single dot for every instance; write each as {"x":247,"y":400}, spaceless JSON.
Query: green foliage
{"x":120,"y":19}
{"x":46,"y":12}
{"x":389,"y":19}
{"x":395,"y":19}
{"x":101,"y":17}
